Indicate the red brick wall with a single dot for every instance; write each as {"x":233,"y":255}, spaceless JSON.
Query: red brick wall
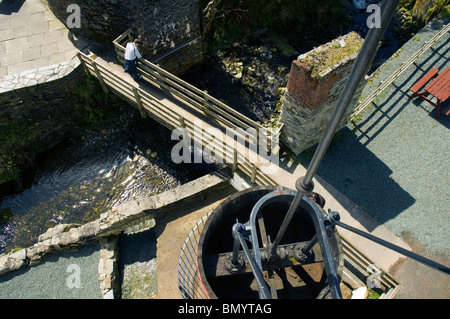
{"x":310,"y":92}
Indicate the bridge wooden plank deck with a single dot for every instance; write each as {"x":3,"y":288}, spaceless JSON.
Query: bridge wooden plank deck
{"x":174,"y":106}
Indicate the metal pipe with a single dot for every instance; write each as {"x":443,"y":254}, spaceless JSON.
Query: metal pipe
{"x":407,"y":253}
{"x":360,"y":68}
{"x":287,"y":219}
{"x":310,"y":244}
{"x":263,"y":289}
{"x":236,"y":247}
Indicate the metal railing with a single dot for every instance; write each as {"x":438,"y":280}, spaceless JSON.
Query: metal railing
{"x":362,"y":267}
{"x":189,"y":282}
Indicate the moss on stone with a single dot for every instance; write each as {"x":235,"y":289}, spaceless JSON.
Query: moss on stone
{"x":332,"y":53}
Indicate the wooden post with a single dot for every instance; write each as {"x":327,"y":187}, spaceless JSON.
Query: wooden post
{"x":99,"y":76}
{"x":254,"y":168}
{"x":182,"y":123}
{"x":235,"y":157}
{"x":82,"y":62}
{"x":139,"y":102}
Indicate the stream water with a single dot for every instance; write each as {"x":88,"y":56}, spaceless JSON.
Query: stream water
{"x":91,"y":172}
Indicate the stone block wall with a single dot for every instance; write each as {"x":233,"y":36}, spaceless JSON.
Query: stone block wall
{"x":183,"y":59}
{"x":108,"y":226}
{"x":311,"y":97}
{"x":39,"y":93}
{"x":161,"y":24}
{"x":35,"y":104}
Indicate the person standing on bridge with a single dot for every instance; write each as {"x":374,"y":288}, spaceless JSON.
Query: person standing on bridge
{"x":132,"y":53}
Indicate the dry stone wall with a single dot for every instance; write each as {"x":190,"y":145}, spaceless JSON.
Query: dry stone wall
{"x":161,"y":24}
{"x":35,"y":103}
{"x":110,"y":224}
{"x":38,"y":93}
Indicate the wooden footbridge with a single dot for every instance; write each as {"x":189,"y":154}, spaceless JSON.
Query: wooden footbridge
{"x":177,"y":104}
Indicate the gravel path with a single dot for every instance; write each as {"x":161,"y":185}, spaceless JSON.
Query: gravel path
{"x":137,"y":265}
{"x":53,"y":278}
{"x":394,"y":163}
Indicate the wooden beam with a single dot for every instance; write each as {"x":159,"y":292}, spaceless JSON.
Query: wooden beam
{"x":254,"y":170}
{"x":99,"y":76}
{"x":182,"y":123}
{"x":139,"y":103}
{"x":83,"y":63}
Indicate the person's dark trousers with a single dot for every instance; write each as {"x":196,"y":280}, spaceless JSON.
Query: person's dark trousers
{"x":130,"y":66}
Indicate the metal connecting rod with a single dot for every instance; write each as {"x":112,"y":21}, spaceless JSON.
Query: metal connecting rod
{"x":263,"y":289}
{"x":332,"y":220}
{"x":428,"y":262}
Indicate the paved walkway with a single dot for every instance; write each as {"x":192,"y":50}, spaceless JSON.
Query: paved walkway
{"x":31,"y":37}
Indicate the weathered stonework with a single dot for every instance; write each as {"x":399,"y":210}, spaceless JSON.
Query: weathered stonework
{"x":161,"y":24}
{"x":36,"y":92}
{"x":105,"y":228}
{"x":184,"y":59}
{"x":108,"y":273}
{"x":36,"y":103}
{"x":309,"y":100}
{"x":38,"y":98}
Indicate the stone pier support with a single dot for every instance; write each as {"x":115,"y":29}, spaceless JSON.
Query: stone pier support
{"x":316,"y":81}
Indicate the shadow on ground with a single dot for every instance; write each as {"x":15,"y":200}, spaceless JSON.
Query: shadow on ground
{"x":355,"y":172}
{"x":9,"y":6}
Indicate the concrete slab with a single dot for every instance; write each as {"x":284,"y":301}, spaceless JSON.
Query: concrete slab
{"x":16,"y":44}
{"x":19,"y":67}
{"x":3,"y":71}
{"x":39,"y":63}
{"x":5,"y":22}
{"x":7,"y":34}
{"x":9,"y":59}
{"x":32,"y":53}
{"x":55,"y":25}
{"x":171,"y":231}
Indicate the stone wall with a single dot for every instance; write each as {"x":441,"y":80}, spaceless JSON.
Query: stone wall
{"x":34,"y":104}
{"x":39,"y":93}
{"x":108,"y":226}
{"x":183,"y":59}
{"x":161,"y":24}
{"x":311,"y":97}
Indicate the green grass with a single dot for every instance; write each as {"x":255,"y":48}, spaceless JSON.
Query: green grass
{"x":320,"y":60}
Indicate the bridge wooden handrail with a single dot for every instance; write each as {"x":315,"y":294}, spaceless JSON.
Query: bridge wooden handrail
{"x":173,"y":119}
{"x":186,"y":92}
